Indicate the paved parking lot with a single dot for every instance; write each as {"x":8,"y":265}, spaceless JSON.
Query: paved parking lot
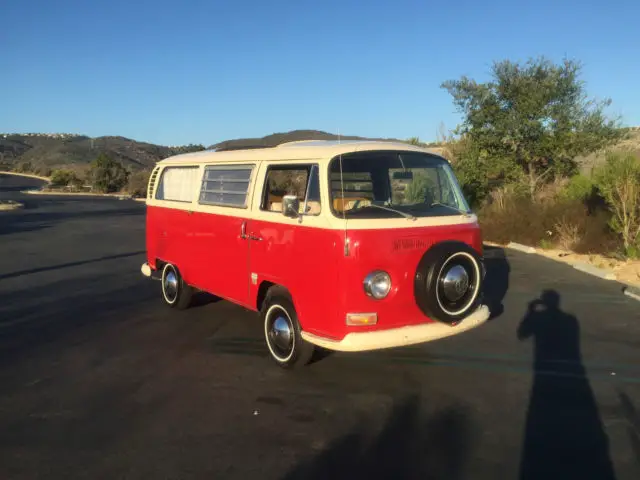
{"x":99,"y":380}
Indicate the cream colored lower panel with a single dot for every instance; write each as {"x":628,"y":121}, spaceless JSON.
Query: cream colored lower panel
{"x":398,"y":337}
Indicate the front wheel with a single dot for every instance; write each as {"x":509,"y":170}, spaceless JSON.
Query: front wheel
{"x":175,"y":292}
{"x":282,"y":333}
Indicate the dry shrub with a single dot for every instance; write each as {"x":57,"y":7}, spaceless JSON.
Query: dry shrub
{"x":568,"y":234}
{"x":551,"y":192}
{"x":560,"y":223}
{"x":502,"y":197}
{"x":596,"y":235}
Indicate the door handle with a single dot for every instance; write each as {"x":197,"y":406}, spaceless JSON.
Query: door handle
{"x":243,"y":231}
{"x":253,"y":237}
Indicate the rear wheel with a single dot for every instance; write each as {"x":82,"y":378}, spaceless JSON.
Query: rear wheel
{"x":175,"y":292}
{"x":282,"y":331}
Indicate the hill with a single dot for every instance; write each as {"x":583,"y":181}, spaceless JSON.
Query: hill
{"x":42,"y":153}
{"x":293,"y":136}
{"x":631,"y":143}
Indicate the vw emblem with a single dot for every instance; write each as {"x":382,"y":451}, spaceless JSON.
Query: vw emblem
{"x":461,"y":284}
{"x":455,"y":283}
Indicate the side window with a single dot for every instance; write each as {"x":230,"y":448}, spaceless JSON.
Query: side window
{"x":284,"y":180}
{"x":177,"y":184}
{"x":226,"y":185}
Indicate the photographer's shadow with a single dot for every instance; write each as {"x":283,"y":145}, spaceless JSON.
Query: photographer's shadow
{"x":564,"y":436}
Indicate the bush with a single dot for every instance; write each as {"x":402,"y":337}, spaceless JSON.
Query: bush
{"x":63,"y":178}
{"x":138,"y":183}
{"x":108,"y":175}
{"x":619,"y":183}
{"x":579,"y":187}
{"x":561,"y":223}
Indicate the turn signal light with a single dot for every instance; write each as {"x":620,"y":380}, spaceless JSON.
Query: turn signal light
{"x":361,"y":319}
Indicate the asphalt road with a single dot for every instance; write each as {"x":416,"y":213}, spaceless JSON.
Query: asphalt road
{"x":98,"y":379}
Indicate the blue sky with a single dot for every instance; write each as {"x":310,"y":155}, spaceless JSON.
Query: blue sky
{"x":205,"y":71}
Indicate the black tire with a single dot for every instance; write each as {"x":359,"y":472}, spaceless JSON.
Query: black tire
{"x":175,"y":292}
{"x":433,"y":298}
{"x":289,"y":350}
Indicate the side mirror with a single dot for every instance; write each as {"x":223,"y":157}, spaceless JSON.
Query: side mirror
{"x":290,"y":206}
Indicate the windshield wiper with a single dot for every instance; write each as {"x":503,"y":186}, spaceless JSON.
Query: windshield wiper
{"x":406,"y":215}
{"x":462,"y":212}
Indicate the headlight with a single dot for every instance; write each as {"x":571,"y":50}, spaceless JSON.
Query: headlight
{"x":377,"y":284}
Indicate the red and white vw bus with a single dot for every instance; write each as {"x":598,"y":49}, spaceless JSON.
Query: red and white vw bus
{"x":346,"y":246}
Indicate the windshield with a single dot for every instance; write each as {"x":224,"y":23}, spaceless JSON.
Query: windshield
{"x":413,"y":183}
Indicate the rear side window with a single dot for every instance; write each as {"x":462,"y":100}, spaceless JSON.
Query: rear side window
{"x":226,"y":185}
{"x":177,"y":184}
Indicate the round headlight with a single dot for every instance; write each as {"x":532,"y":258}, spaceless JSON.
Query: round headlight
{"x":377,"y":284}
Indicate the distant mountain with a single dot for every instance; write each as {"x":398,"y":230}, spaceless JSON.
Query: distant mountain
{"x":42,"y":153}
{"x":46,"y":152}
{"x":293,"y":136}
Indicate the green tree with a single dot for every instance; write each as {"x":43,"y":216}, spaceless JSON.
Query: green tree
{"x":535,"y":117}
{"x":107,"y":175}
{"x":63,"y":178}
{"x":619,"y":183}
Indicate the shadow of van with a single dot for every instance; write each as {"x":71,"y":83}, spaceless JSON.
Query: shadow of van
{"x":496,"y":282}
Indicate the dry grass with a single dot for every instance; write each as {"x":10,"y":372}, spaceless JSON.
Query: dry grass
{"x":567,"y":234}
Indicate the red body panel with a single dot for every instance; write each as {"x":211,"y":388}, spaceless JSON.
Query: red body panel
{"x":169,"y":237}
{"x":220,"y":257}
{"x":310,"y":262}
{"x":306,"y":261}
{"x":398,"y":252}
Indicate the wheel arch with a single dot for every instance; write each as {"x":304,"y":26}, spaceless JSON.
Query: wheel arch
{"x":268,"y":287}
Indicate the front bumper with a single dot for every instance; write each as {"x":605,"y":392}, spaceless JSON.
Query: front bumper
{"x":398,"y":337}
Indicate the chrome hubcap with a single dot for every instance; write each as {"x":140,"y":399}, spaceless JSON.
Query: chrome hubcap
{"x":455,"y":283}
{"x":281,"y":334}
{"x":170,"y":285}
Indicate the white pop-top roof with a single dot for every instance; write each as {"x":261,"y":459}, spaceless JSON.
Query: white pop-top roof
{"x":299,"y":150}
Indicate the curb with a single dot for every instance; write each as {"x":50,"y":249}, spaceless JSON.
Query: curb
{"x":44,"y":179}
{"x":520,"y":247}
{"x":632,"y":292}
{"x":119,"y":196}
{"x":598,"y":272}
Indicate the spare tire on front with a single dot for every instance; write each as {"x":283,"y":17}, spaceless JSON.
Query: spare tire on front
{"x":448,"y":281}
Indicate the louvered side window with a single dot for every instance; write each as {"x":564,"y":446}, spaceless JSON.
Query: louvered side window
{"x":226,"y":185}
